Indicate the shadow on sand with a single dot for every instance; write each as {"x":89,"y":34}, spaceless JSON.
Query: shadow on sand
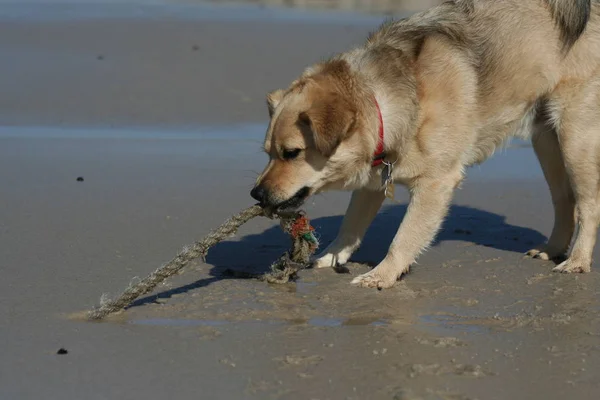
{"x":255,"y":253}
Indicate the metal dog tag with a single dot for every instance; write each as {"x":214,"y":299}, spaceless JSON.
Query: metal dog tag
{"x":389,"y":190}
{"x":388,"y":180}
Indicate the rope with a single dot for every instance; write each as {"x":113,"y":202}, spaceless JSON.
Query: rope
{"x":304,"y":244}
{"x":285,"y":269}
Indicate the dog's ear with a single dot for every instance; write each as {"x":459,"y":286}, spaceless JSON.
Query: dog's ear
{"x":273,"y":99}
{"x":331,"y":121}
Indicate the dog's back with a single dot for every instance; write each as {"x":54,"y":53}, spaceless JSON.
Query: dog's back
{"x":487,"y":26}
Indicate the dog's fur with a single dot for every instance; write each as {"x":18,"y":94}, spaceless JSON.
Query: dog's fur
{"x":453,"y":83}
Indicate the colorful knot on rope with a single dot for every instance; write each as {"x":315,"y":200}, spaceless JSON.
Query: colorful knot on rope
{"x":301,"y":227}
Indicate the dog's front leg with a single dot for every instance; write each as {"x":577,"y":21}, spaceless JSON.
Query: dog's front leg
{"x":361,"y":211}
{"x":429,"y":203}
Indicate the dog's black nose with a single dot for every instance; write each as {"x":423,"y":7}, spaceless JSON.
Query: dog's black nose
{"x":259,"y":194}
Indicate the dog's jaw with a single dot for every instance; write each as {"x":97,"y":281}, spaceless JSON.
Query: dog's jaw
{"x":293,"y":203}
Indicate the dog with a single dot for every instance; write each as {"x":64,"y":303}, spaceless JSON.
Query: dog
{"x":426,"y":97}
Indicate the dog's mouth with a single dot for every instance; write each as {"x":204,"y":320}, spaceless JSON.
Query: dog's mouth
{"x":293,"y":203}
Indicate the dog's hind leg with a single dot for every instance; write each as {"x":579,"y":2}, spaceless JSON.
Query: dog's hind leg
{"x":547,"y":148}
{"x":577,"y":116}
{"x":361,"y":211}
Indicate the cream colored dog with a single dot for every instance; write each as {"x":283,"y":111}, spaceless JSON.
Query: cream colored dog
{"x":428,"y":96}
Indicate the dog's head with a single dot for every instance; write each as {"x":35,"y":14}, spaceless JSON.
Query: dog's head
{"x":312,"y":139}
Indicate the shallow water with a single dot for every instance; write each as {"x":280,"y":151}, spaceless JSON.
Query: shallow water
{"x":515,"y":162}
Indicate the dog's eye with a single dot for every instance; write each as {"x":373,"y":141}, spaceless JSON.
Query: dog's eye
{"x":291,"y":154}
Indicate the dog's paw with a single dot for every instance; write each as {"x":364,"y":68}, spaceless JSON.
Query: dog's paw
{"x":537,"y":253}
{"x":332,"y":257}
{"x":325,"y":261}
{"x":379,"y":278}
{"x":370,"y":280}
{"x":573,"y":267}
{"x":546,"y":253}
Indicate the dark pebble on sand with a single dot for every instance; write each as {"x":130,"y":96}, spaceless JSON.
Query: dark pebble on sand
{"x":62,"y":351}
{"x":340,"y":269}
{"x":195,"y":47}
{"x":80,"y":179}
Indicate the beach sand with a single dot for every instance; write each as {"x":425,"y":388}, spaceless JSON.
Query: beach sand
{"x":161,"y":110}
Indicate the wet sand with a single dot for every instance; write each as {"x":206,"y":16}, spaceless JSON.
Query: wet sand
{"x":167,"y":138}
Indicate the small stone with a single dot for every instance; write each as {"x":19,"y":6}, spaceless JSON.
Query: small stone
{"x":100,"y":57}
{"x":62,"y":351}
{"x":80,"y":179}
{"x":195,"y":47}
{"x":340,"y":269}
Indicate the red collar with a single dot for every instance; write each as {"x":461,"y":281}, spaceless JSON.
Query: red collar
{"x":379,"y":155}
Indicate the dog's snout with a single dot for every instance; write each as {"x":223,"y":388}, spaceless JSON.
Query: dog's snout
{"x":259,"y":194}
